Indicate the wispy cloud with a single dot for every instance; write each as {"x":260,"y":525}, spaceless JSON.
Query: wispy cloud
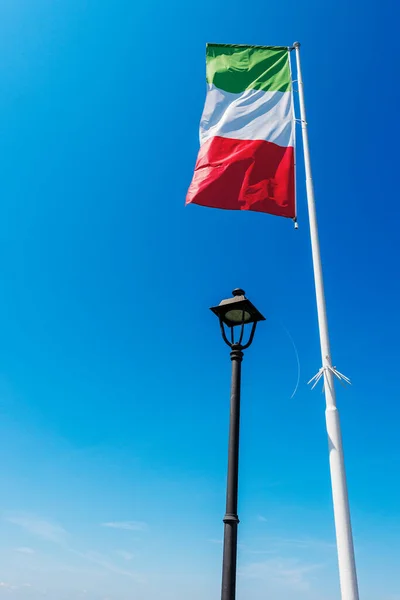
{"x":6,"y":586}
{"x":290,"y":573}
{"x":105,"y":563}
{"x":55,"y":533}
{"x":306,"y":543}
{"x":48,"y":530}
{"x":127,"y":525}
{"x":261,"y":519}
{"x":125,"y":555}
{"x":248,"y":550}
{"x":25,"y":550}
{"x":9,"y":587}
{"x":278,"y":545}
{"x":215,"y":541}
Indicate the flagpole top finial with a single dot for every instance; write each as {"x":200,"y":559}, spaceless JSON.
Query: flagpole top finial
{"x":296,"y":45}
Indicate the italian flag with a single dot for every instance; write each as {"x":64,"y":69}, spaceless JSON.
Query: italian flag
{"x":247,"y":132}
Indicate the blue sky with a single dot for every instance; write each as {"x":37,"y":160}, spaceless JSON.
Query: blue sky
{"x":114,"y":382}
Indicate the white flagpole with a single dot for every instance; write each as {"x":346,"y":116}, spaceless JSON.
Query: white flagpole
{"x":344,"y":537}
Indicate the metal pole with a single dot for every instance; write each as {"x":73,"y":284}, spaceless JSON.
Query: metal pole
{"x":231,"y":518}
{"x":344,"y":537}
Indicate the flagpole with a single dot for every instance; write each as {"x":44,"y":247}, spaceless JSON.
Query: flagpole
{"x":341,"y":508}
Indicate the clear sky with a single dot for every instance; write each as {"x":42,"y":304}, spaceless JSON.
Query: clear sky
{"x":114,"y":382}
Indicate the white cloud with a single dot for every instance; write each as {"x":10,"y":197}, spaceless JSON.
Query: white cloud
{"x":306,"y":543}
{"x":289,"y":573}
{"x":127,"y":525}
{"x":52,"y":531}
{"x":215,"y":541}
{"x":125,"y":555}
{"x":104,"y":562}
{"x":258,"y":552}
{"x":6,"y":586}
{"x":43,"y":528}
{"x":25,"y":550}
{"x":261,"y":519}
{"x":280,"y":545}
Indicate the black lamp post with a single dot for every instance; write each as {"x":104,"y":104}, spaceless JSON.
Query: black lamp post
{"x":234,"y":312}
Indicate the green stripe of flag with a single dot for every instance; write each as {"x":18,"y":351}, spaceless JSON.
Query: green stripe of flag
{"x":239,"y":68}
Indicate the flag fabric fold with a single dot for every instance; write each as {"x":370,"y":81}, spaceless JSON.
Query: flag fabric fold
{"x":247,"y":132}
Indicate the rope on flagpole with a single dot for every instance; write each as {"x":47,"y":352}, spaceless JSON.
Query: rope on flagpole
{"x":297,"y":359}
{"x":342,"y":378}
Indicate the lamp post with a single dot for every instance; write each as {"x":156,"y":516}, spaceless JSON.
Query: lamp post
{"x":234,"y":312}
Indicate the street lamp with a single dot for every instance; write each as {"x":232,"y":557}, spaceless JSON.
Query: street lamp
{"x":234,"y":312}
